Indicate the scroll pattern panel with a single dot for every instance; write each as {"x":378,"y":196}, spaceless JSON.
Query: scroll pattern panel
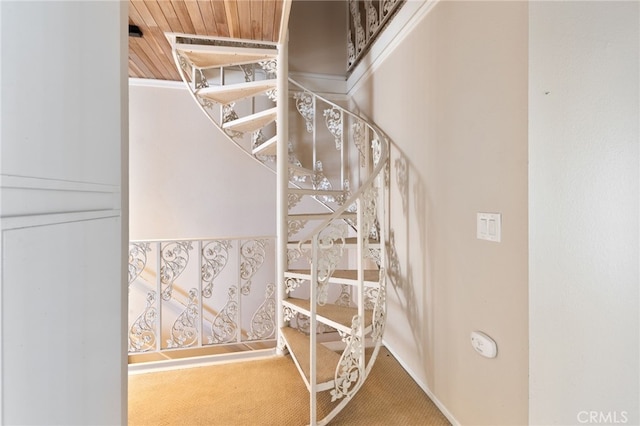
{"x":198,"y":293}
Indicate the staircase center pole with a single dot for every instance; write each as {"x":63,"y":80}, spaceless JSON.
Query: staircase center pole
{"x":282,"y":175}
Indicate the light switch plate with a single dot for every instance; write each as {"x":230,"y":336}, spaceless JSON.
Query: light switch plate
{"x":489,"y":226}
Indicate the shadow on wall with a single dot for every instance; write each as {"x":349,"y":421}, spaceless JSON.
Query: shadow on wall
{"x":409,"y":267}
{"x":411,"y":232}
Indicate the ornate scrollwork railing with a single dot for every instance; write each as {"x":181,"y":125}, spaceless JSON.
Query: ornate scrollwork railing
{"x":372,"y":148}
{"x":323,"y":245}
{"x":197,"y":293}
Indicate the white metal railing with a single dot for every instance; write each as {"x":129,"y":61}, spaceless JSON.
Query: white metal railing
{"x":194,"y":293}
{"x":313,"y":163}
{"x":319,"y":144}
{"x":359,"y":213}
{"x":324,"y":152}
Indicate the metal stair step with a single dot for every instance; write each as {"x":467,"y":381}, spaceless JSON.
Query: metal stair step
{"x":300,"y":348}
{"x":268,"y":147}
{"x":301,"y":171}
{"x":350,"y":242}
{"x":253,"y":122}
{"x":336,"y":316}
{"x":209,"y":56}
{"x":319,"y":192}
{"x":322,"y":216}
{"x":235,"y":92}
{"x":339,"y":276}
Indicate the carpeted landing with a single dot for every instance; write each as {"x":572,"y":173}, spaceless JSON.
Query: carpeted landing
{"x":271,"y":392}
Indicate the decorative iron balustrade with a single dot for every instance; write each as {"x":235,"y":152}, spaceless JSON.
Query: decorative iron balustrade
{"x":345,"y":268}
{"x":198,"y":293}
{"x":367,"y":18}
{"x":359,"y":143}
{"x":313,"y":164}
{"x":332,"y":206}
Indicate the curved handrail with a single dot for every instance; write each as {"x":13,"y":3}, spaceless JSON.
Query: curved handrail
{"x":378,"y":135}
{"x":375,"y":173}
{"x":193,"y":94}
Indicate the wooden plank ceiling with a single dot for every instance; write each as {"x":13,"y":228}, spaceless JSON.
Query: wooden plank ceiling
{"x":150,"y":55}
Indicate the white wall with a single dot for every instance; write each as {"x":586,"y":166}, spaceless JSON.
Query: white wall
{"x":186,"y":180}
{"x":63,"y":176}
{"x":453,"y":98}
{"x":583,"y":209}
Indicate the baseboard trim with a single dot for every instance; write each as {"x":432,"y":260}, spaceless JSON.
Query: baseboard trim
{"x":423,"y":386}
{"x":200,"y":361}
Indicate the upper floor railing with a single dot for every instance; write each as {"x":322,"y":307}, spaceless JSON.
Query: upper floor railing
{"x":366,"y":20}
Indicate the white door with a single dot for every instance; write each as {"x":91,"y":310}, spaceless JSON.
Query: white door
{"x":63,"y":123}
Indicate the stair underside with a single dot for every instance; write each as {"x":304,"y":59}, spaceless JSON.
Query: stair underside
{"x":339,"y":276}
{"x":235,"y":92}
{"x":269,"y":147}
{"x":300,"y":348}
{"x":220,"y":56}
{"x":301,"y":171}
{"x":334,"y":313}
{"x":253,"y":122}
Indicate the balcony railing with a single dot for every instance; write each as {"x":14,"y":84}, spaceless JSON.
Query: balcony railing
{"x":213,"y":293}
{"x":367,"y":18}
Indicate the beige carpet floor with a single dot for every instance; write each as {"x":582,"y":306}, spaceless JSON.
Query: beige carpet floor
{"x":270,"y":392}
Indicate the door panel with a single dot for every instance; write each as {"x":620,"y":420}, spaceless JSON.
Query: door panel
{"x":63,"y":214}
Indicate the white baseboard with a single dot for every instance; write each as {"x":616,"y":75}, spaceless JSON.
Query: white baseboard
{"x":424,"y":387}
{"x":200,"y":361}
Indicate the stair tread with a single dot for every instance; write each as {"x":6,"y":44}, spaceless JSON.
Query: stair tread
{"x":299,"y":345}
{"x":339,"y":314}
{"x":321,"y":216}
{"x":311,"y":191}
{"x":301,"y":170}
{"x":252,"y":122}
{"x":370,"y":275}
{"x":207,"y":56}
{"x":235,"y":92}
{"x":268,"y":147}
{"x":350,"y":241}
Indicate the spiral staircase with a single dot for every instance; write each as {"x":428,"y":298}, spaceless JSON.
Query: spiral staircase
{"x":331,"y":167}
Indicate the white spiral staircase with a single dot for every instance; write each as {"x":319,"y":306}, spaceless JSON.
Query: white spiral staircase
{"x":332,"y":179}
